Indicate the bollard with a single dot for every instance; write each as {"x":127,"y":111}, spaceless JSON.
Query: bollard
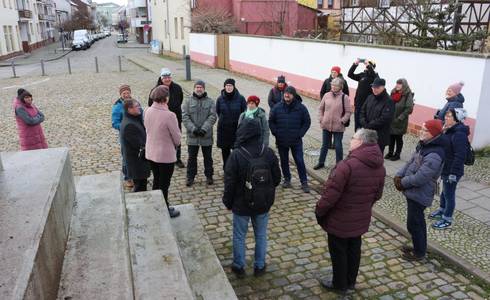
{"x":69,"y":65}
{"x":96,"y":65}
{"x":188,"y":67}
{"x":183,"y":52}
{"x":13,"y":69}
{"x":42,"y":68}
{"x":120,"y":66}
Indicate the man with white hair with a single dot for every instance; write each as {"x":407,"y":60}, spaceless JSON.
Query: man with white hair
{"x":344,"y":210}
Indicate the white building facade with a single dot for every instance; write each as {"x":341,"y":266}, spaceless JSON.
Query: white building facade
{"x":140,"y":20}
{"x":10,"y":44}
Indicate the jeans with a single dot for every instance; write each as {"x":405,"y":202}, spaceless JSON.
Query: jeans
{"x":140,"y":185}
{"x":448,"y":198}
{"x":396,"y":139}
{"x":162,"y":175}
{"x":192,"y":161}
{"x":240,"y":228}
{"x":326,"y":140}
{"x":417,"y":227}
{"x":346,"y":257}
{"x":297,"y":151}
{"x":225,"y":153}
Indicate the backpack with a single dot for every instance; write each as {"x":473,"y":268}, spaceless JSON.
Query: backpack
{"x":259,"y":186}
{"x":470,"y":155}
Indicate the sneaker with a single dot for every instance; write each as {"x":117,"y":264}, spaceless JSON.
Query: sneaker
{"x":435,"y":215}
{"x":319,"y":166}
{"x":173,"y":212}
{"x":406,"y":249}
{"x":389,"y":156}
{"x":180,"y":164}
{"x":410,"y":256}
{"x":305,"y":187}
{"x":189,"y":182}
{"x":239,"y":272}
{"x":395,"y":157}
{"x":286,"y":184}
{"x":259,"y":272}
{"x":209,"y":181}
{"x":441,"y":224}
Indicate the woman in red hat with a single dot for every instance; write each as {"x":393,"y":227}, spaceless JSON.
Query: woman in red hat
{"x":255,"y":112}
{"x":334,"y":73}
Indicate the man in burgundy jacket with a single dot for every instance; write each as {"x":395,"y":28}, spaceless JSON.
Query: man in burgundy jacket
{"x":344,"y":210}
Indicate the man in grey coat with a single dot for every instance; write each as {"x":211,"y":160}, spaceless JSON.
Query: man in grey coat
{"x":198,"y":117}
{"x":418,"y":182}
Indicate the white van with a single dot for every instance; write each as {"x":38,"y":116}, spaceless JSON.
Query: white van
{"x":81,"y":40}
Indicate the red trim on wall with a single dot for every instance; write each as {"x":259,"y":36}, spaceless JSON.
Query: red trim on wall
{"x":204,"y":59}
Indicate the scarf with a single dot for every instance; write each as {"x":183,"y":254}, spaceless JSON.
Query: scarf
{"x":249,"y":113}
{"x":396,"y":96}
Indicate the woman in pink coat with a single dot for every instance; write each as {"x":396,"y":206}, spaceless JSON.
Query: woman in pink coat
{"x":333,"y":114}
{"x":29,"y":119}
{"x":162,"y":138}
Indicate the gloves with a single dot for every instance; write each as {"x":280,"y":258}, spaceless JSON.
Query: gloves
{"x":201,"y":132}
{"x":196,"y":131}
{"x":452,"y":179}
{"x":398,"y":183}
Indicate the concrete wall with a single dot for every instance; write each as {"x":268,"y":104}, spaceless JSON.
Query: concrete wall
{"x":307,"y":63}
{"x":166,"y":13}
{"x":203,"y":48}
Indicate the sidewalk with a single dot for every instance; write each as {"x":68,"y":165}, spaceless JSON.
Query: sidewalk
{"x":47,"y":53}
{"x":467,"y":243}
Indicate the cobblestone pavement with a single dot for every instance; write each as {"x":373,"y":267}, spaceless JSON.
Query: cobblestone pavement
{"x":469,"y":237}
{"x":77,"y":110}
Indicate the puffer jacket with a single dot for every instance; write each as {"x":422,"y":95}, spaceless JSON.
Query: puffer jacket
{"x":351,"y":190}
{"x":420,"y":173}
{"x":289,"y":123}
{"x":237,"y":167}
{"x":377,"y":114}
{"x":199,"y":112}
{"x":456,"y":150}
{"x":326,"y":86}
{"x":117,"y":113}
{"x":228,"y":109}
{"x":29,"y":119}
{"x":275,"y":96}
{"x":264,"y":125}
{"x":330,"y":111}
{"x":454,"y":102}
{"x":133,"y":138}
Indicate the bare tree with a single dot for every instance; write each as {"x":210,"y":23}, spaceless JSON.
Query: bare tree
{"x":80,"y":19}
{"x":212,"y":21}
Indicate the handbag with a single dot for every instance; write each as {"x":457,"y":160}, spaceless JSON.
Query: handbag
{"x":346,"y":124}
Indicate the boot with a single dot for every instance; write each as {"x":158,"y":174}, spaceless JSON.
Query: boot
{"x":389,"y":155}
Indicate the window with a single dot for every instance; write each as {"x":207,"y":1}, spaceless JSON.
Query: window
{"x":4,"y":5}
{"x":330,"y":3}
{"x":354,"y":2}
{"x":384,"y":3}
{"x":9,"y":42}
{"x":176,"y":26}
{"x":320,"y":3}
{"x":182,"y":28}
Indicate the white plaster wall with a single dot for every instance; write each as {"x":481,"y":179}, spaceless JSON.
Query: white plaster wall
{"x":9,"y":17}
{"x":482,"y":129}
{"x":203,"y":43}
{"x":176,"y":9}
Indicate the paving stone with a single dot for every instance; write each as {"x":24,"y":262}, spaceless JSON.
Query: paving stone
{"x":446,"y":289}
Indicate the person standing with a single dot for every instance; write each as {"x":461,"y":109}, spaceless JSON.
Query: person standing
{"x":289,"y":121}
{"x":333,"y":113}
{"x":229,"y":106}
{"x":276,"y":94}
{"x":176,"y":98}
{"x":29,"y":118}
{"x":457,"y":133}
{"x":377,"y":112}
{"x":365,"y":79}
{"x":255,"y":112}
{"x":133,"y":140}
{"x":251,"y":177}
{"x":326,"y":86}
{"x":402,"y":96}
{"x":116,"y":118}
{"x":345,"y":207}
{"x":163,"y":137}
{"x":454,"y":99}
{"x":199,"y":116}
{"x":417,"y":180}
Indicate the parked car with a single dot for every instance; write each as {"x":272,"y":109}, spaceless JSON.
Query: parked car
{"x":121,"y":38}
{"x":81,"y":40}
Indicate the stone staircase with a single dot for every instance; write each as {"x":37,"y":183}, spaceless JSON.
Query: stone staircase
{"x":97,"y":243}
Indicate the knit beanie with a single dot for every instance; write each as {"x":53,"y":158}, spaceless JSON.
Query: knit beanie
{"x":281,"y":79}
{"x":459,"y":114}
{"x":254,"y":99}
{"x":290,"y":90}
{"x":123,"y":88}
{"x":456,"y":87}
{"x":20,"y":91}
{"x":24,"y":94}
{"x":201,"y":83}
{"x":434,"y":126}
{"x":229,"y":81}
{"x":336,"y":69}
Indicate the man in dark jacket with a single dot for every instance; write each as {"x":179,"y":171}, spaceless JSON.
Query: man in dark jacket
{"x":133,"y":139}
{"x":229,"y":106}
{"x":377,"y":113}
{"x":117,"y":115}
{"x":326,"y":86}
{"x":418,"y":181}
{"x":289,"y":121}
{"x":176,"y":98}
{"x":245,"y":204}
{"x":276,"y":94}
{"x":363,"y":87}
{"x":344,"y":210}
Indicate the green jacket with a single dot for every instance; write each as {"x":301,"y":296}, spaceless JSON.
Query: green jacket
{"x":199,"y":113}
{"x":264,"y":124}
{"x":403,"y":109}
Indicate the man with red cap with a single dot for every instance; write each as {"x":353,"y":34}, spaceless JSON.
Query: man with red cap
{"x":418,"y":182}
{"x":255,"y":112}
{"x":334,"y":73}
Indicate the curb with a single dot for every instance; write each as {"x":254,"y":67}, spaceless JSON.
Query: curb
{"x":47,"y":60}
{"x":131,"y":47}
{"x":139,"y":65}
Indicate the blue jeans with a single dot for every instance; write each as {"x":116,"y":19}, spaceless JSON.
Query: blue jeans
{"x":337,"y":140}
{"x":240,"y":228}
{"x":448,"y":198}
{"x":297,"y":152}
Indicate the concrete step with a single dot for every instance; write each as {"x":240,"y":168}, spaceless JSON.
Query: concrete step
{"x":155,"y":259}
{"x":36,"y":199}
{"x":203,"y":268}
{"x":97,"y":264}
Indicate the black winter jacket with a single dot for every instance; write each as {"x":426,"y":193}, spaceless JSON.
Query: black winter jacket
{"x":176,"y":98}
{"x":289,"y":123}
{"x":229,"y":107}
{"x":326,"y":86}
{"x":377,"y":113}
{"x":364,"y":86}
{"x":133,"y":138}
{"x":248,"y":136}
{"x":456,"y":151}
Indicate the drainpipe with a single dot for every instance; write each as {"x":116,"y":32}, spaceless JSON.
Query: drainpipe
{"x":168,"y":27}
